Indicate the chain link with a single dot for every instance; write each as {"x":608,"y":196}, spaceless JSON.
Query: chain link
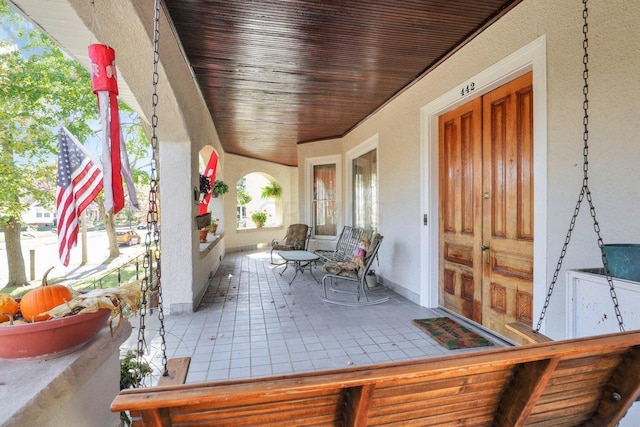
{"x":584,"y":191}
{"x":151,"y":285}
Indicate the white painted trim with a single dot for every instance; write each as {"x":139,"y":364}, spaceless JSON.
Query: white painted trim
{"x":369,"y":145}
{"x":309,"y":163}
{"x":529,"y":57}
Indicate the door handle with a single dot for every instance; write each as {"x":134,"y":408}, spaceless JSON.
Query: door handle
{"x":485,"y":249}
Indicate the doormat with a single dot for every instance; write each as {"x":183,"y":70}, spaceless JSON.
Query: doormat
{"x":451,"y":334}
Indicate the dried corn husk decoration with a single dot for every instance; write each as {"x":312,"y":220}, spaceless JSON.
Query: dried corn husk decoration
{"x":114,"y":299}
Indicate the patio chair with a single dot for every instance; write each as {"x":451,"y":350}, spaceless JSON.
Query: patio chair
{"x":296,"y":239}
{"x":345,"y":245}
{"x":358,"y":276}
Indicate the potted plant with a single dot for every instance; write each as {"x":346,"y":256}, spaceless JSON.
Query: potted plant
{"x":132,"y":373}
{"x":202,"y":234}
{"x":272,"y":190}
{"x":213,"y":227}
{"x":259,"y":218}
{"x":219,"y":188}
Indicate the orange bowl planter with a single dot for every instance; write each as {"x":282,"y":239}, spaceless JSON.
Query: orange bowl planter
{"x":51,"y":338}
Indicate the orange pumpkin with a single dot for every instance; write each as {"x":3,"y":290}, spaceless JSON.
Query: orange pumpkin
{"x":8,"y":307}
{"x":42,"y":299}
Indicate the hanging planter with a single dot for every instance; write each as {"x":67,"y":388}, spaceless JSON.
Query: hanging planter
{"x":272,"y":190}
{"x":219,"y":188}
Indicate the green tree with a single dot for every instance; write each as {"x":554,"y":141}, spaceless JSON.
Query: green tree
{"x":41,"y":89}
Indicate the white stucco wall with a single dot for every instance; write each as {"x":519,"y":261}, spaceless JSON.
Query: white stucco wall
{"x":614,"y":129}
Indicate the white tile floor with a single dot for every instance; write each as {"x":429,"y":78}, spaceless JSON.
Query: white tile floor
{"x":252,"y":323}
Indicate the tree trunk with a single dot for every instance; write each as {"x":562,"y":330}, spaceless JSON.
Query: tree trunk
{"x":15,"y":260}
{"x":110,"y":227}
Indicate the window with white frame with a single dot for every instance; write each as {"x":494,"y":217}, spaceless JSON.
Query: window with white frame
{"x":362,"y":191}
{"x":364,"y":185}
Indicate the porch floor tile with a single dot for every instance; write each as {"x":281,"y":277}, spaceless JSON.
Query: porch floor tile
{"x":252,"y":323}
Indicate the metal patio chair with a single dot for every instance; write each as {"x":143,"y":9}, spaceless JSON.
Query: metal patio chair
{"x":296,"y":239}
{"x":358,"y":276}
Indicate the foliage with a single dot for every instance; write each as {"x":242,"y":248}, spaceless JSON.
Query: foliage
{"x":38,"y":93}
{"x":42,"y":89}
{"x":272,"y":190}
{"x":259,"y":218}
{"x":131,"y":374}
{"x":243,"y":197}
{"x":219,"y":187}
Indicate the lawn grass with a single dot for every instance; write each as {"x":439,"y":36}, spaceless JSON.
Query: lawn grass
{"x":109,"y":279}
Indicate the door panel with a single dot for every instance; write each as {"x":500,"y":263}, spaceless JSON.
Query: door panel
{"x":461,"y":210}
{"x":508,"y":205}
{"x":486,"y":207}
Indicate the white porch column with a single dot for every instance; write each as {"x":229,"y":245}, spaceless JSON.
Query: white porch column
{"x":177,"y":230}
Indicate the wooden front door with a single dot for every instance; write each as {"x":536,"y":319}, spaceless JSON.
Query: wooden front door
{"x":486,"y":207}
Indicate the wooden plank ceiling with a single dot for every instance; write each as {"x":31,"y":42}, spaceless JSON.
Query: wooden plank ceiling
{"x":276,"y":73}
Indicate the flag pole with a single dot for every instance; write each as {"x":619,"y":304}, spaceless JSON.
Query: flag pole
{"x":83,"y":229}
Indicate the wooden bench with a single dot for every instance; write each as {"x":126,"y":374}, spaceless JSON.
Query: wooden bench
{"x":587,"y":381}
{"x":177,"y":370}
{"x":345,"y":246}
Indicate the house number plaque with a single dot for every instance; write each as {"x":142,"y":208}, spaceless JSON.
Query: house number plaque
{"x":466,"y":90}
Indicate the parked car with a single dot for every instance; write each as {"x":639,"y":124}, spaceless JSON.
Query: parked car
{"x":128,"y":238}
{"x":142,"y":226}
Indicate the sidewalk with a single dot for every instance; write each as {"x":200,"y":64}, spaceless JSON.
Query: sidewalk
{"x":97,"y":263}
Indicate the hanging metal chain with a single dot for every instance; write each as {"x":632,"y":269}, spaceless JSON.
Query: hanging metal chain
{"x":584,"y":191}
{"x":151,"y":283}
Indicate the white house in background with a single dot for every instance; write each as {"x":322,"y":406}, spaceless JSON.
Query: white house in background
{"x":38,"y":215}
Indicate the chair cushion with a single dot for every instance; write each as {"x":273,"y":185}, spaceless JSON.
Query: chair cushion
{"x":297,"y":233}
{"x":278,"y":247}
{"x":338,"y":268}
{"x":374,"y":241}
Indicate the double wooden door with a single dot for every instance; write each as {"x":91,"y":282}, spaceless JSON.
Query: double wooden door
{"x":486,"y":207}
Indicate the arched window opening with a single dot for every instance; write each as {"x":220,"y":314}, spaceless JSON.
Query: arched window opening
{"x":256,"y":204}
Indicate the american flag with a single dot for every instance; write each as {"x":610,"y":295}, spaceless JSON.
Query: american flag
{"x":79,"y":182}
